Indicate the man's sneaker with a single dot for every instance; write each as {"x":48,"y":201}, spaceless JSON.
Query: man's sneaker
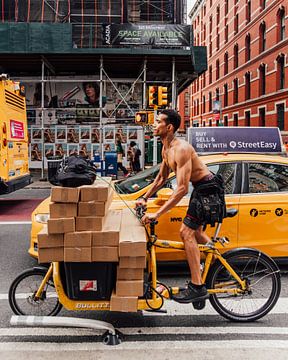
{"x":191,"y":294}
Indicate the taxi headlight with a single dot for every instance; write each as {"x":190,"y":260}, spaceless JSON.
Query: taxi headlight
{"x":42,"y":218}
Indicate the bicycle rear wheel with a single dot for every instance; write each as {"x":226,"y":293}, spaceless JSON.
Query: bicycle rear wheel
{"x":262,"y":277}
{"x":22,"y":295}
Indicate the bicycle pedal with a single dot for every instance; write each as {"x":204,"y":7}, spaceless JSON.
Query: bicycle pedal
{"x":199,"y":305}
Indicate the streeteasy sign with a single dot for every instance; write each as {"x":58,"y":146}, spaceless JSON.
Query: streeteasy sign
{"x":235,"y":139}
{"x":152,"y":34}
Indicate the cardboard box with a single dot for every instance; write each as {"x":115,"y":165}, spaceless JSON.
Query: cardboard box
{"x":132,"y":241}
{"x":64,"y":194}
{"x":100,"y":191}
{"x":105,"y":254}
{"x":123,"y":304}
{"x":61,"y":210}
{"x":130,"y":262}
{"x":46,"y":240}
{"x":80,"y":239}
{"x":129,"y":288}
{"x":93,"y":223}
{"x":77,"y":254}
{"x":49,"y":255}
{"x":95,"y":208}
{"x":130,"y":274}
{"x":109,"y":236}
{"x":61,"y":226}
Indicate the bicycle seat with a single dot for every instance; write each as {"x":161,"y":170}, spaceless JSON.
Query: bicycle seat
{"x":231,"y":212}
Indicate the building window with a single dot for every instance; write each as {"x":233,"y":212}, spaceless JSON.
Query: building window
{"x":204,"y":34}
{"x":262,"y":37}
{"x":225,"y":120}
{"x":248,"y":12}
{"x":218,"y":14}
{"x":281,"y":24}
{"x":247,"y":118}
{"x":236,"y":23}
{"x":262,"y":112}
{"x":217,"y":94}
{"x":235,"y":56}
{"x":280,"y":116}
{"x":210,"y":25}
{"x":217,"y":69}
{"x":235,"y":95}
{"x":247,"y":86}
{"x":203,"y":104}
{"x":225,"y":95}
{"x":210,"y":74}
{"x":203,"y":80}
{"x":263,"y":4}
{"x":262,"y":79}
{"x":226,"y":33}
{"x":226,"y":7}
{"x":226,"y":59}
{"x":218,"y":39}
{"x":280,"y":72}
{"x":247,"y":47}
{"x":235,"y":119}
{"x":210,"y":101}
{"x":204,"y":10}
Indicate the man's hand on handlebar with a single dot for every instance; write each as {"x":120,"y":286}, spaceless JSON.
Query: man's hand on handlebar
{"x":149,"y":217}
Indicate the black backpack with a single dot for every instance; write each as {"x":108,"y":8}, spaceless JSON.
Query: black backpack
{"x":75,"y":171}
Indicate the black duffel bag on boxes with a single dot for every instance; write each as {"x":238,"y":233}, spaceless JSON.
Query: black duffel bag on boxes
{"x":76,"y":171}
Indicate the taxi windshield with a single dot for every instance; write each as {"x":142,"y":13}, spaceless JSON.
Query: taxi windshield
{"x":137,"y":182}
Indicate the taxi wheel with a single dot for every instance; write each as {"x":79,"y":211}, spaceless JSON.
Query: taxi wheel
{"x":22,"y":292}
{"x":262,"y":278}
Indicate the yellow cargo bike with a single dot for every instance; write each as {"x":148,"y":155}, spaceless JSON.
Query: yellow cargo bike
{"x":243,"y":284}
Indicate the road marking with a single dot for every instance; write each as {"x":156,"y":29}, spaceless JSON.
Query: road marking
{"x":191,"y":330}
{"x":139,"y":345}
{"x":15,"y":222}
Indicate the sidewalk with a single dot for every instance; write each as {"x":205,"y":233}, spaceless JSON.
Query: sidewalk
{"x":38,"y":183}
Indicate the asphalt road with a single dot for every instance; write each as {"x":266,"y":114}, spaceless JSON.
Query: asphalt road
{"x":180,"y":332}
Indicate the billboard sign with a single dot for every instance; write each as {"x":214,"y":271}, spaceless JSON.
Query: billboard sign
{"x":235,"y":139}
{"x":152,"y":34}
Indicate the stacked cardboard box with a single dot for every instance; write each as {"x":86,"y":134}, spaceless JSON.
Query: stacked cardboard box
{"x":132,"y":261}
{"x":83,"y":229}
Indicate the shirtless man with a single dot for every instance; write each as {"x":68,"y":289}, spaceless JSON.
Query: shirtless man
{"x":180,"y":157}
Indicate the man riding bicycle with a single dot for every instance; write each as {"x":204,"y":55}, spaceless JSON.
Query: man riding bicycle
{"x":206,"y":206}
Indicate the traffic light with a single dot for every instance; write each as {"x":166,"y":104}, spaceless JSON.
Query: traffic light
{"x":162,"y":95}
{"x":153,"y":96}
{"x":141,"y":118}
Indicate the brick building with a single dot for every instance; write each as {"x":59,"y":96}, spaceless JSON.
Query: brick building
{"x":247,"y":47}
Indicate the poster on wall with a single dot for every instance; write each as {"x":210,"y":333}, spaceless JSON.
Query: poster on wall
{"x":109,"y":134}
{"x":36,"y":134}
{"x":95,"y":135}
{"x":61,"y":134}
{"x":85,"y":134}
{"x":49,"y":135}
{"x":73,"y":134}
{"x":36,"y":152}
{"x":85,"y":150}
{"x":49,"y":150}
{"x":72,"y":149}
{"x":60,"y":149}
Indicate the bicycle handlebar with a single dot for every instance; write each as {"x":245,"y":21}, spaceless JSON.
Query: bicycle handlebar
{"x":140,"y":212}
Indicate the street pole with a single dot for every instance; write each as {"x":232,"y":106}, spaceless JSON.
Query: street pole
{"x":42,"y":121}
{"x":155,"y":142}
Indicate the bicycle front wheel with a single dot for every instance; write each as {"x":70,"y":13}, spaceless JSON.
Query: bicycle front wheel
{"x":262,"y":277}
{"x":22,"y":293}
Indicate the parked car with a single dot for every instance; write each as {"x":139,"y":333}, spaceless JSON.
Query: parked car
{"x":256,"y":185}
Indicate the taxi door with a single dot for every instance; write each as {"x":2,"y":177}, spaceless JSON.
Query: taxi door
{"x":169,"y":224}
{"x":263,"y":222}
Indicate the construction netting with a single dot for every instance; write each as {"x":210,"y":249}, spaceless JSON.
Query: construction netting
{"x":91,"y":11}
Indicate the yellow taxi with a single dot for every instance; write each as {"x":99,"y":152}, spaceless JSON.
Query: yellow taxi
{"x":256,"y":185}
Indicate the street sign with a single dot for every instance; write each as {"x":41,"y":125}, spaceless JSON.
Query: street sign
{"x":236,"y":139}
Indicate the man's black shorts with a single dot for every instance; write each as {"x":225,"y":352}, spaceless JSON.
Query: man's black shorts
{"x":195,"y":216}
